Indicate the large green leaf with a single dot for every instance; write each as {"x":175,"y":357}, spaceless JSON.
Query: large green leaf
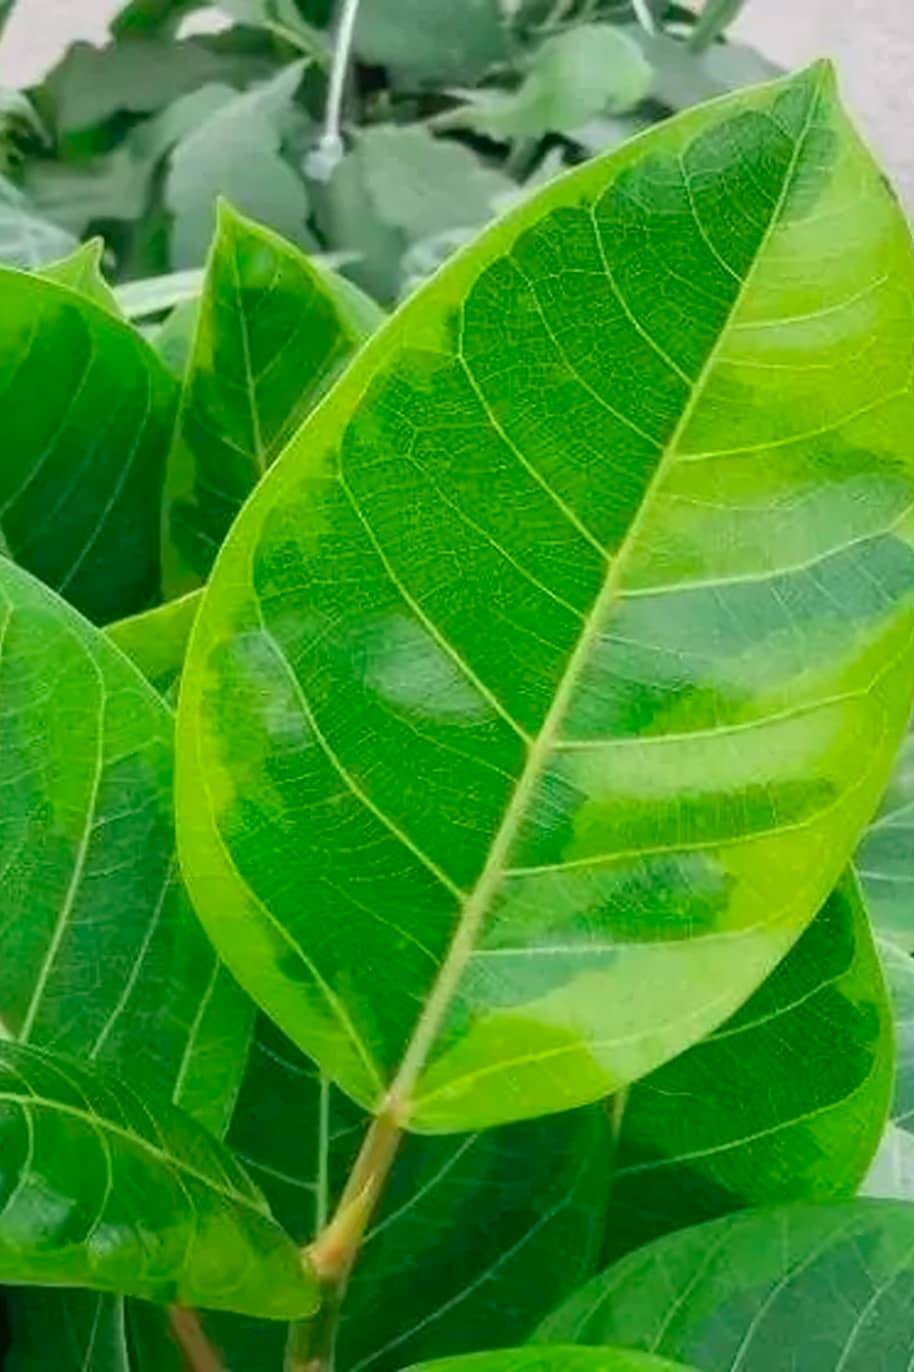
{"x":542,"y":688}
{"x":100,"y":954}
{"x":271,"y":336}
{"x":88,"y":411}
{"x":556,"y":1359}
{"x":101,"y":1189}
{"x":822,"y":1288}
{"x":818,"y":1034}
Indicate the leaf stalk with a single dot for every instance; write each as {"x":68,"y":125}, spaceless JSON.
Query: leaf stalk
{"x":335,"y":1250}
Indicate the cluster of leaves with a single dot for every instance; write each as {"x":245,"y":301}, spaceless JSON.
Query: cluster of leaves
{"x":555,"y":652}
{"x":457,"y":106}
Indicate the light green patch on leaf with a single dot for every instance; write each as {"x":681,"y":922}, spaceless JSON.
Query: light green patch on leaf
{"x":828,"y":1287}
{"x":154,"y":295}
{"x":81,"y":270}
{"x":236,"y":153}
{"x":588,"y":70}
{"x":552,"y":626}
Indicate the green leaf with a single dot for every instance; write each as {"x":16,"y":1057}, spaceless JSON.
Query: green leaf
{"x":716,"y":16}
{"x":68,"y":1331}
{"x":236,"y":154}
{"x":156,"y":641}
{"x":682,"y":78}
{"x":26,"y":239}
{"x":102,"y":1190}
{"x":549,"y":638}
{"x":432,"y":40}
{"x":424,"y":185}
{"x":81,"y":270}
{"x":885,"y":857}
{"x":136,"y":76}
{"x":88,"y":411}
{"x":818,"y":1033}
{"x":101,"y":956}
{"x":117,"y":185}
{"x":823,"y":1287}
{"x":150,"y":16}
{"x":573,"y":77}
{"x":558,"y":1359}
{"x":272,"y":335}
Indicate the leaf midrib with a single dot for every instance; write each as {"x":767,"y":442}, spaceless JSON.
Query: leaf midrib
{"x":401,"y":1096}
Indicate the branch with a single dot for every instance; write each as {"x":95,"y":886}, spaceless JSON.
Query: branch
{"x":199,"y":1354}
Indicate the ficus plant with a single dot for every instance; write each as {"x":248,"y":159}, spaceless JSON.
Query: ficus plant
{"x":455,"y":810}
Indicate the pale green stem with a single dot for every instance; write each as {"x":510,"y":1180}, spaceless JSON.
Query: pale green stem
{"x":329,"y":151}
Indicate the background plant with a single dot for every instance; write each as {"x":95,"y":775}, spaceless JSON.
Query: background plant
{"x":790,"y":574}
{"x":450,"y":110}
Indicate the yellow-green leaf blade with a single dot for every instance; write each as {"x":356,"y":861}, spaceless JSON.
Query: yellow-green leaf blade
{"x":558,"y":634}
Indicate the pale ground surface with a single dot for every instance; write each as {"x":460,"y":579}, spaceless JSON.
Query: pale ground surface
{"x":873,"y":41}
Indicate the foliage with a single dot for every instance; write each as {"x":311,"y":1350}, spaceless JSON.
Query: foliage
{"x":454,"y":797}
{"x":457,"y":106}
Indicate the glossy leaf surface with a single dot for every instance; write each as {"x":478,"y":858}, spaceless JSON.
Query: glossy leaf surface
{"x":100,"y":954}
{"x":100,"y":1189}
{"x":563,"y":655}
{"x":271,"y":335}
{"x":819,"y":1035}
{"x":825,"y":1288}
{"x":88,"y":412}
{"x":554,"y":1360}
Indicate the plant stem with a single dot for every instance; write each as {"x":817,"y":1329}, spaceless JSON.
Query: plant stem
{"x":199,"y":1354}
{"x":334,"y":1251}
{"x":329,"y":151}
